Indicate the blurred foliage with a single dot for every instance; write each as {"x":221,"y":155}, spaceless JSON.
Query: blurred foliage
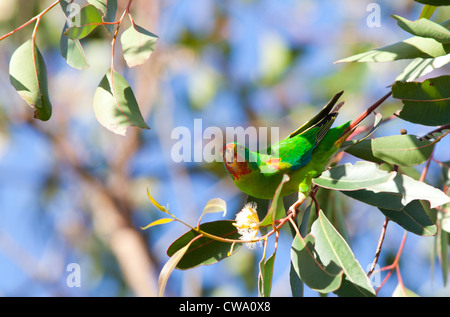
{"x":231,"y":63}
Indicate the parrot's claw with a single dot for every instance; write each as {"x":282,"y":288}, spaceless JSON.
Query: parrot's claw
{"x":294,"y":206}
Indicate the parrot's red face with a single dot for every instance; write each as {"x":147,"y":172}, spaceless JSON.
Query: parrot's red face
{"x":234,"y":160}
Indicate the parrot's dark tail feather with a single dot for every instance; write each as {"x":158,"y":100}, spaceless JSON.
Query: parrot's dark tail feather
{"x":325,"y":124}
{"x":322,"y":115}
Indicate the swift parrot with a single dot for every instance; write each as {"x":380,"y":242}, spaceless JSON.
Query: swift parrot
{"x":303,"y":155}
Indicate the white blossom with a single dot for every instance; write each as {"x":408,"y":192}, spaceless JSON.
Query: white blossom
{"x":247,"y":224}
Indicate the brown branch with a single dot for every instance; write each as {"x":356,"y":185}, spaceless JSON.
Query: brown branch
{"x":394,"y":265}
{"x":380,"y":244}
{"x":111,"y":218}
{"x":366,"y":113}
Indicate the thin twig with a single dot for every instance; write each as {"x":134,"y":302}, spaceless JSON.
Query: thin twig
{"x":380,"y":244}
{"x":37,"y":17}
{"x":369,"y":110}
{"x":394,"y":264}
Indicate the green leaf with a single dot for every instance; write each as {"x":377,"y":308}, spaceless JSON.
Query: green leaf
{"x":426,"y":103}
{"x":435,"y":2}
{"x":413,"y":47}
{"x":442,"y":248}
{"x":115,"y":106}
{"x":427,"y":11}
{"x":446,"y":172}
{"x":332,"y":248}
{"x":169,"y":267}
{"x":28,"y":75}
{"x":402,"y":291}
{"x":102,"y":5}
{"x":71,"y":50}
{"x":295,"y":282}
{"x":444,"y":219}
{"x":84,"y":23}
{"x":213,"y":206}
{"x":205,"y":251}
{"x":398,"y":192}
{"x":108,"y":8}
{"x":319,"y":276}
{"x":265,"y":275}
{"x":353,"y":177}
{"x":137,"y":45}
{"x":424,"y":28}
{"x":405,"y":150}
{"x":413,"y":218}
{"x":420,"y":67}
{"x":276,"y":207}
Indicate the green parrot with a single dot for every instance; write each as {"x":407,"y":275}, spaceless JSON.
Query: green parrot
{"x":303,"y":155}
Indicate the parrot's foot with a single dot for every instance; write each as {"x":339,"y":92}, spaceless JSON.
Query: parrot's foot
{"x":300,"y":200}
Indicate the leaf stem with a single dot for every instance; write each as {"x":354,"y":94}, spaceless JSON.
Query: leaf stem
{"x":369,"y":110}
{"x":37,"y":17}
{"x":113,"y":50}
{"x":394,"y":265}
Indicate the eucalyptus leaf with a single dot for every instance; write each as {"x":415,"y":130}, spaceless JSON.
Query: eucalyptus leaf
{"x":115,"y":105}
{"x":265,"y":275}
{"x":414,"y":47}
{"x":295,"y":282}
{"x":402,"y":291}
{"x":108,"y":9}
{"x":422,"y":66}
{"x":444,"y":219}
{"x":71,"y":50}
{"x":84,"y":23}
{"x":399,"y":192}
{"x":169,"y":267}
{"x":446,"y":172}
{"x":426,"y":103}
{"x":324,"y":278}
{"x":155,"y":203}
{"x":214,"y":205}
{"x":413,"y":218}
{"x":276,"y":206}
{"x":158,"y":222}
{"x":204,"y":250}
{"x":137,"y":45}
{"x":28,"y":75}
{"x":405,"y":150}
{"x":353,"y":177}
{"x":435,"y":2}
{"x":442,"y":248}
{"x":427,"y":11}
{"x":424,"y":28}
{"x":332,"y":248}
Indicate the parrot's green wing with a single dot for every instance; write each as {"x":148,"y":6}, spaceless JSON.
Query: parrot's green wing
{"x":320,"y":116}
{"x":296,"y":150}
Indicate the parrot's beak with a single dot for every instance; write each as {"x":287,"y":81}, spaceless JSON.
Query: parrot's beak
{"x":228,"y":154}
